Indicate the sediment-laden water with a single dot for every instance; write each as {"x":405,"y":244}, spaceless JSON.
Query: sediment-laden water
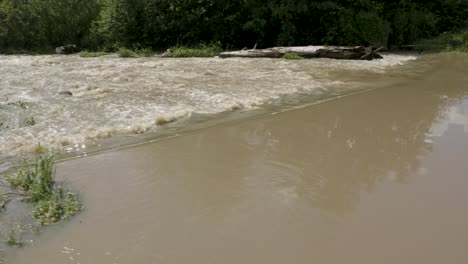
{"x":113,"y":96}
{"x":378,"y":175}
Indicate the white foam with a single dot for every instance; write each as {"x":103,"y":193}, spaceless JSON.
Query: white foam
{"x":128,"y":96}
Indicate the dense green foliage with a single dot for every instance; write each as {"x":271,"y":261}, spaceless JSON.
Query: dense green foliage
{"x":43,"y":24}
{"x":157,"y":24}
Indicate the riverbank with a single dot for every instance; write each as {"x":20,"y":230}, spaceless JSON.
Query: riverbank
{"x":348,"y":180}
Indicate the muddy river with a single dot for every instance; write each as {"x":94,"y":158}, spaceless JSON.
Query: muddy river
{"x":246,"y":161}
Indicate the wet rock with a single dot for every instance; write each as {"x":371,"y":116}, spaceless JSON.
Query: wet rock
{"x":67,"y":49}
{"x":65,"y":93}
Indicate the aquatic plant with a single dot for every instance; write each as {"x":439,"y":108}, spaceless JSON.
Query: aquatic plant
{"x":202,"y":50}
{"x":48,"y":211}
{"x":35,"y":181}
{"x":71,"y":205}
{"x":292,"y":56}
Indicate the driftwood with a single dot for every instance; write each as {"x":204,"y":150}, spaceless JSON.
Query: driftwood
{"x":334,"y":52}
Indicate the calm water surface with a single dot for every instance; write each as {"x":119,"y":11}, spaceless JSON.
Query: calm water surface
{"x":374,"y":177}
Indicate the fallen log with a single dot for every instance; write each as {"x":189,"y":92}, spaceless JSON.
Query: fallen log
{"x":334,"y":52}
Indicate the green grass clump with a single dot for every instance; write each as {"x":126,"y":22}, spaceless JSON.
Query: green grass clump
{"x":201,"y":51}
{"x":49,"y":211}
{"x":35,"y":184}
{"x":292,"y":56}
{"x":127,"y":53}
{"x":86,"y":54}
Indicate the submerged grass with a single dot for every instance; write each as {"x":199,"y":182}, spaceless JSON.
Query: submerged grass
{"x":202,"y":50}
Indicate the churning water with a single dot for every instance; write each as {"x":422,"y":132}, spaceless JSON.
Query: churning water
{"x":114,"y":96}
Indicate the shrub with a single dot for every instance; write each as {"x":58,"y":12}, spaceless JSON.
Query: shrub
{"x":202,"y":50}
{"x":127,"y":53}
{"x":145,"y":52}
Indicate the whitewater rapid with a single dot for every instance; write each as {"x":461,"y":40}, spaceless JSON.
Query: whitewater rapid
{"x":116,"y":96}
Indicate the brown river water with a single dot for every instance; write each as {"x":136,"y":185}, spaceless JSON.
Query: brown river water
{"x":368,"y":164}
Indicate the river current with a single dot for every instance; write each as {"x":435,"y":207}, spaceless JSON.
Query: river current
{"x":243,"y":160}
{"x":126,"y":97}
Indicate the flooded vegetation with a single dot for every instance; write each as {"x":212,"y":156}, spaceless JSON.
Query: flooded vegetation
{"x":324,"y":160}
{"x":33,"y":186}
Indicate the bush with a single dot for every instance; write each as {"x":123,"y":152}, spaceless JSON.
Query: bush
{"x":202,"y":50}
{"x":127,"y":53}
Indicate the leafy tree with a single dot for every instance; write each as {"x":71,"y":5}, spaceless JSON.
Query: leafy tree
{"x":111,"y":24}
